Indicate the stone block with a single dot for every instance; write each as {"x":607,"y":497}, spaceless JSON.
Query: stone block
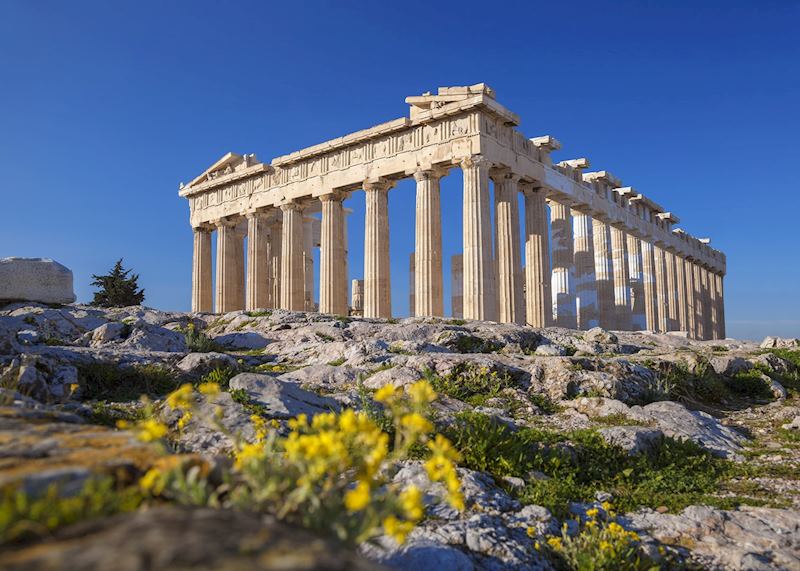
{"x":35,"y":279}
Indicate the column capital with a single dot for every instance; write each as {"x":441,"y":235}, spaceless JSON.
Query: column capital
{"x":262,"y":214}
{"x":429,"y":173}
{"x":502,"y":174}
{"x":289,"y":206}
{"x":203,"y":227}
{"x":228,"y":222}
{"x":380,"y":184}
{"x":527,"y":186}
{"x":475,"y":161}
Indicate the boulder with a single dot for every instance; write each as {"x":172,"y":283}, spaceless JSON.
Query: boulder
{"x":35,"y":279}
{"x":632,"y":439}
{"x":242,"y":340}
{"x":600,"y":335}
{"x":109,"y":332}
{"x":198,"y":364}
{"x":779,"y":343}
{"x":146,"y":337}
{"x":281,"y":399}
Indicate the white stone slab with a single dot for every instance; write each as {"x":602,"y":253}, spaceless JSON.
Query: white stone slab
{"x":35,"y":279}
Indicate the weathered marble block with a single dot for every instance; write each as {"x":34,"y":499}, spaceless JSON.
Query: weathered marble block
{"x":35,"y":279}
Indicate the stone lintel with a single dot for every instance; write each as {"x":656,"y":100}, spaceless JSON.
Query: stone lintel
{"x":624,"y":190}
{"x":704,"y":240}
{"x":547,"y":143}
{"x":669,"y":217}
{"x":575,"y":164}
{"x":604,"y":177}
{"x":653,"y":206}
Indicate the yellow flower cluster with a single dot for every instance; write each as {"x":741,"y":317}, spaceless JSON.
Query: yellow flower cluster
{"x":441,"y":467}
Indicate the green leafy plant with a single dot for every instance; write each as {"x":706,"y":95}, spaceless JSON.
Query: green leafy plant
{"x":108,"y":381}
{"x":470,"y":383}
{"x":198,"y":342}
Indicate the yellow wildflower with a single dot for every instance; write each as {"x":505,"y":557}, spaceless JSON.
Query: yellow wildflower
{"x":615,"y":528}
{"x":209,"y":389}
{"x":123,"y":424}
{"x":184,"y":420}
{"x":397,"y":529}
{"x":605,"y":546}
{"x":181,"y":398}
{"x":385,"y":393}
{"x":554,"y":542}
{"x":415,"y":422}
{"x":150,"y":430}
{"x":537,"y":546}
{"x":248,"y":453}
{"x":73,"y":387}
{"x":411,"y":502}
{"x":422,"y":393}
{"x":299,"y":423}
{"x":608,"y":506}
{"x":592,"y":513}
{"x":358,"y":498}
{"x":348,"y":422}
{"x":632,"y":535}
{"x":531,"y":531}
{"x":152,"y":482}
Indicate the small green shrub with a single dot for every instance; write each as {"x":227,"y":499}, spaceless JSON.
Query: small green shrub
{"x":470,"y":383}
{"x":108,"y":381}
{"x":397,"y":349}
{"x":23,"y":517}
{"x":324,"y":337}
{"x":199,"y":342}
{"x":544,"y":403}
{"x":749,"y":384}
{"x":221,"y":376}
{"x":261,"y":313}
{"x":474,"y":344}
{"x":337,"y":362}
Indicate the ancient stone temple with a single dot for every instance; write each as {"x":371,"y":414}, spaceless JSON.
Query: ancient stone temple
{"x":593,"y":252}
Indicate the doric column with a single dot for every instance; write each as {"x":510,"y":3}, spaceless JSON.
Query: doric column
{"x":672,"y":289}
{"x":690,"y":301}
{"x":412,"y":284}
{"x":275,"y":253}
{"x":479,"y":288}
{"x":258,"y":282}
{"x":712,"y":294}
{"x":636,"y":276}
{"x":661,"y":291}
{"x":201,"y":271}
{"x":377,"y":282}
{"x":357,"y":294}
{"x":230,"y":278}
{"x":332,"y":279}
{"x":508,"y":258}
{"x":708,"y":305}
{"x":457,"y":285}
{"x":649,"y":287}
{"x":308,"y":262}
{"x":680,"y":284}
{"x":699,"y":307}
{"x":539,"y":305}
{"x":428,"y":285}
{"x":622,"y":292}
{"x":585,"y":280}
{"x":604,"y":273}
{"x":292,"y":278}
{"x":720,"y":306}
{"x":563,"y":276}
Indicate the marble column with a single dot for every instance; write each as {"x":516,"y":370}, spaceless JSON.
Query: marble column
{"x":428,"y":283}
{"x":357,"y":293}
{"x":292,"y":278}
{"x":649,"y":287}
{"x":308,"y":262}
{"x":680,"y":284}
{"x":585,"y":280}
{"x":661,"y":290}
{"x":712,"y":294}
{"x":412,"y":284}
{"x":563,"y":275}
{"x":720,"y":306}
{"x":672,"y":291}
{"x":377,"y":282}
{"x":275,"y":252}
{"x":258,"y":282}
{"x":508,"y":256}
{"x":708,"y":306}
{"x":479,"y":288}
{"x":332,"y":279}
{"x":690,"y":301}
{"x":699,"y":308}
{"x":230,"y":278}
{"x":622,"y":292}
{"x":539,"y":305}
{"x":202,"y":293}
{"x":604,"y":273}
{"x":457,"y":286}
{"x":636,"y":275}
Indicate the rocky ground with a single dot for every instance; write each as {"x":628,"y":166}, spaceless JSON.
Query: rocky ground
{"x":696,"y":444}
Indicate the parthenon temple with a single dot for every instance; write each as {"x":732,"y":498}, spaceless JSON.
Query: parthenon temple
{"x":592,"y":251}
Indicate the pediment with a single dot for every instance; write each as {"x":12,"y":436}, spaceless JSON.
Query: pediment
{"x":228,"y":164}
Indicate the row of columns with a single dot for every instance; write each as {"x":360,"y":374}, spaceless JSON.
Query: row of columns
{"x":593,"y":273}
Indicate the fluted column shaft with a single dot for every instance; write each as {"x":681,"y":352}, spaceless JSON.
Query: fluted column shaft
{"x":690,"y":299}
{"x":563,"y":276}
{"x":230,"y":278}
{"x":202,"y":294}
{"x":604,"y":273}
{"x":275,"y":255}
{"x":377,"y":281}
{"x":539,"y":304}
{"x":622,"y":292}
{"x":649,"y":287}
{"x":258,"y":281}
{"x":661,"y":290}
{"x":712,"y":289}
{"x":292,"y":271}
{"x":428,"y":283}
{"x":720,"y":306}
{"x":508,"y":258}
{"x":699,"y":309}
{"x":636,"y":276}
{"x":332,"y":279}
{"x":479,"y":301}
{"x":672,"y":290}
{"x":585,"y":280}
{"x":308,"y":262}
{"x":680,"y":283}
{"x":708,"y":306}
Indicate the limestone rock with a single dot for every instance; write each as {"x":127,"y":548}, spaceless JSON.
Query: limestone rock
{"x":245,"y":340}
{"x":154,"y":338}
{"x":108,"y":332}
{"x":35,"y":279}
{"x":282,"y":399}
{"x":427,"y":555}
{"x":199,"y":364}
{"x":793,"y":425}
{"x":600,"y":335}
{"x":180,"y":539}
{"x":632,"y":439}
{"x":779,"y":343}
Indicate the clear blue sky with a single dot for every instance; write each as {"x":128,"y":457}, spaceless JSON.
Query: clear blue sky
{"x":106,"y":106}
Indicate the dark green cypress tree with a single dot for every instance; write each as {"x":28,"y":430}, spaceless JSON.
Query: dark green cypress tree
{"x":117,"y":289}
